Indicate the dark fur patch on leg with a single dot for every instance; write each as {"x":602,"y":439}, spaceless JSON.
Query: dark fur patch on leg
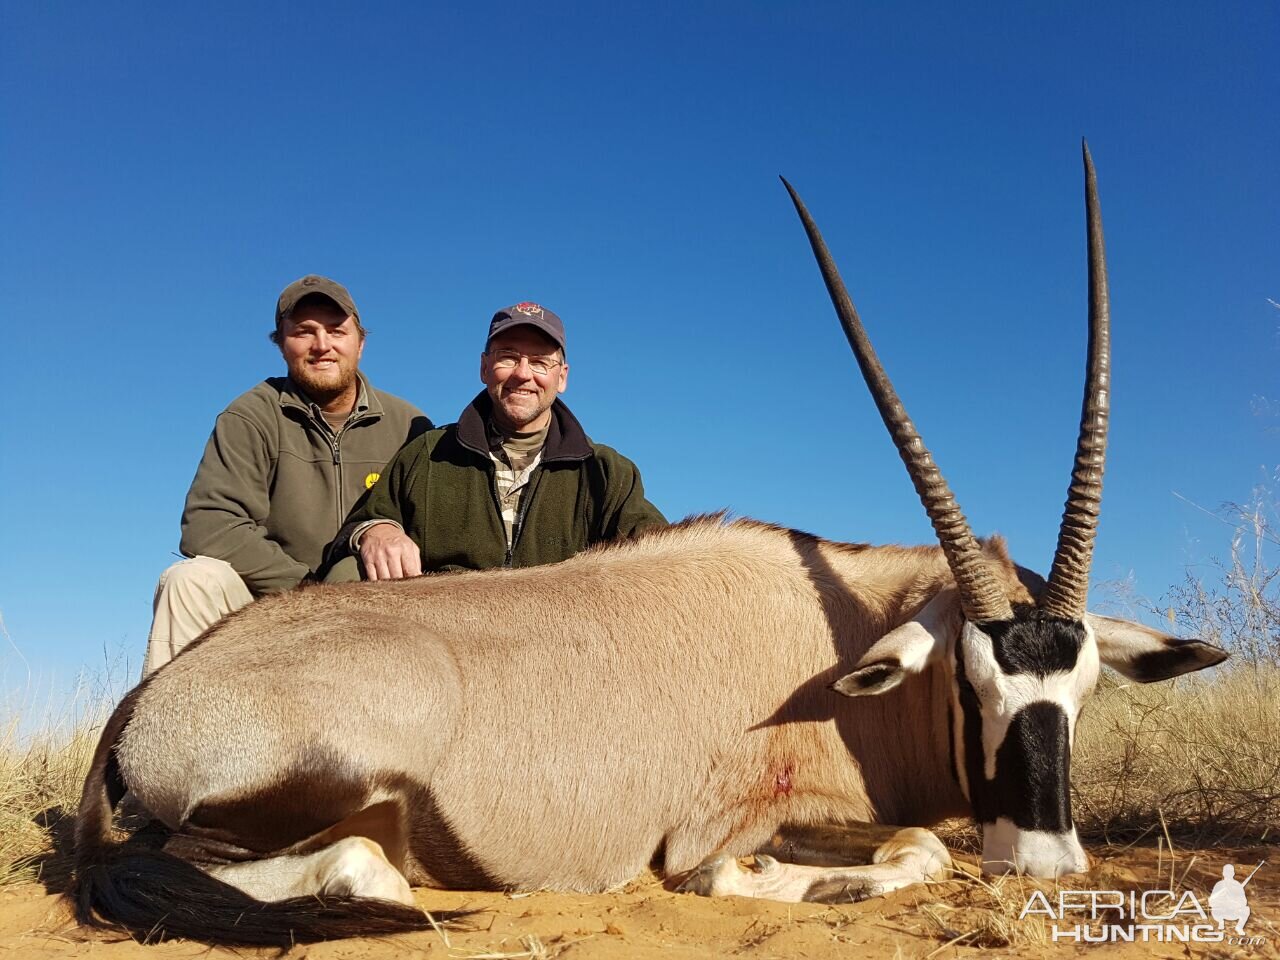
{"x":438,"y":857}
{"x":842,"y":890}
{"x":205,"y":850}
{"x":827,"y":845}
{"x":384,"y":823}
{"x":317,"y":796}
{"x":319,"y":790}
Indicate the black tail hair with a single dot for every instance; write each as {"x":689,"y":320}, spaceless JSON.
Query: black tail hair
{"x":153,"y":895}
{"x":156,"y":896}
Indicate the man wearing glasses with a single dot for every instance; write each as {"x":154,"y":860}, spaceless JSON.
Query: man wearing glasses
{"x":515,"y":482}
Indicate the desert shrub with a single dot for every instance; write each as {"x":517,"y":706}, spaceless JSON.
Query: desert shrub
{"x":1200,"y":753}
{"x":1237,"y":606}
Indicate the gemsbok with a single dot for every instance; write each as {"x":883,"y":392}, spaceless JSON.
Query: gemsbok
{"x":675,"y":700}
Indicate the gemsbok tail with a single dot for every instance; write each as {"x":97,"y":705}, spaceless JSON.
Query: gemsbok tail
{"x":155,"y":896}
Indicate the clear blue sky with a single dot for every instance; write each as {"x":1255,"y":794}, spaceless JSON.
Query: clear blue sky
{"x":166,"y":168}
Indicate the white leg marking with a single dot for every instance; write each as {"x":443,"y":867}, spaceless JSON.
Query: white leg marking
{"x":353,"y":867}
{"x":909,"y":856}
{"x":357,"y":867}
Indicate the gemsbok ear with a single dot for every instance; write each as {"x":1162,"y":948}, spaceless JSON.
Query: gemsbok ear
{"x":1147,"y":655}
{"x":904,"y":650}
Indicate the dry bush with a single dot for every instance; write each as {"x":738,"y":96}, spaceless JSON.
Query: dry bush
{"x":1238,"y":605}
{"x":1201,"y":753}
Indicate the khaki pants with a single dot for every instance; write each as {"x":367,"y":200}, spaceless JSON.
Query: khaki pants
{"x":191,"y":596}
{"x":346,"y":570}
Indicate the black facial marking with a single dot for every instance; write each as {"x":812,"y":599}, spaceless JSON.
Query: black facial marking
{"x":1033,"y":770}
{"x":1034,"y":643}
{"x":1177,"y":658}
{"x":1033,"y":764}
{"x":951,"y":744}
{"x":971,"y":730}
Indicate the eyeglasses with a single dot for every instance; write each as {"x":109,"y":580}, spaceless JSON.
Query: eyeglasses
{"x":510,"y":359}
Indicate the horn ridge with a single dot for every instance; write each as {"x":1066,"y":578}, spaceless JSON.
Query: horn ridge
{"x":982,"y":598}
{"x":1068,"y":588}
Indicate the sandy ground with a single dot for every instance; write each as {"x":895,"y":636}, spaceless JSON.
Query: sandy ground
{"x":645,"y":920}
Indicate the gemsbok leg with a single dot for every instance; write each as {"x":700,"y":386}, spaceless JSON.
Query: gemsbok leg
{"x":352,"y":867}
{"x":907,"y":856}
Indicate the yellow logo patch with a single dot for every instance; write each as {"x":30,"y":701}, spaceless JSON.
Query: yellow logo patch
{"x":371,"y":479}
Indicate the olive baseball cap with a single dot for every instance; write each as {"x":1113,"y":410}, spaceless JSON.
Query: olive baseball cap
{"x":309,"y":284}
{"x":527,"y":314}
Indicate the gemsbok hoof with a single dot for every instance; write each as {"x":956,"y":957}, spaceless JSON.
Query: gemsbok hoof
{"x":714,"y":877}
{"x":765,"y":864}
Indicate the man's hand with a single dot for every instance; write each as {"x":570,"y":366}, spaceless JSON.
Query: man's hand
{"x":388,"y":554}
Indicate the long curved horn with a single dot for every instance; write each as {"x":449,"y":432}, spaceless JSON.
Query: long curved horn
{"x":981,"y":596}
{"x":1068,"y":588}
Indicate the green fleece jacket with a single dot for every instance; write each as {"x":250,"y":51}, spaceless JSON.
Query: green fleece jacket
{"x":440,"y":489}
{"x":275,"y":482}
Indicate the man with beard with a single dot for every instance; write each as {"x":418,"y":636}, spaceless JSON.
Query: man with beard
{"x":285,"y":464}
{"x":514,"y":483}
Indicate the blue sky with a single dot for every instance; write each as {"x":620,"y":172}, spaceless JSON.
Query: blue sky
{"x":167,"y":168}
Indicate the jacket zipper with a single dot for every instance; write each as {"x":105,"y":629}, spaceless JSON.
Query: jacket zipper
{"x":337,"y":469}
{"x":525,"y":499}
{"x":335,"y":445}
{"x":497,"y":505}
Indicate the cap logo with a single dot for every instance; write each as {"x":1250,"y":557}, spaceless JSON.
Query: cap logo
{"x":528,"y":309}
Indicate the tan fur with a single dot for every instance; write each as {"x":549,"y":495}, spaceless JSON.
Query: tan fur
{"x":554,"y":727}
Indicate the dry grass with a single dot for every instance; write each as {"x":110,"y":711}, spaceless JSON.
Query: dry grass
{"x":44,"y":756}
{"x":39,"y":784}
{"x":986,"y":913}
{"x":531,"y":948}
{"x":40,"y":781}
{"x":1200,"y":754}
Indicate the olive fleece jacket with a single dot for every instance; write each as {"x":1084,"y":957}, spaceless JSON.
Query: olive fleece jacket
{"x":440,"y":489}
{"x":276,"y":482}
